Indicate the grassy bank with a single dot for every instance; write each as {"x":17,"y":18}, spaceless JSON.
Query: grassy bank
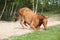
{"x":52,"y":33}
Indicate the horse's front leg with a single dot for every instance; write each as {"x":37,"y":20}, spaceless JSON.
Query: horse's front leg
{"x":22,"y":22}
{"x":32,"y":26}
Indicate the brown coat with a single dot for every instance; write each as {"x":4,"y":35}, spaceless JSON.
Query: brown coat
{"x":29,"y":17}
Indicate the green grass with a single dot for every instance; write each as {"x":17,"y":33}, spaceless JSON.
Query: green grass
{"x":52,"y":33}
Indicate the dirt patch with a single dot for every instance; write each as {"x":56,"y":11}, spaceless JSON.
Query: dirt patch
{"x":14,"y":28}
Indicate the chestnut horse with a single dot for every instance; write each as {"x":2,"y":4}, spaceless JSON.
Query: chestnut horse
{"x":29,"y":17}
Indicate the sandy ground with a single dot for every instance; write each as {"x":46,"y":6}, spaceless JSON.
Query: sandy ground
{"x":14,"y":28}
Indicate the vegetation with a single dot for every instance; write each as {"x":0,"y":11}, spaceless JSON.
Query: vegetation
{"x":8,"y":8}
{"x":52,"y":33}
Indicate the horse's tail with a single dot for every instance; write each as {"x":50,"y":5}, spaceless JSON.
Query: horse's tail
{"x":16,"y":16}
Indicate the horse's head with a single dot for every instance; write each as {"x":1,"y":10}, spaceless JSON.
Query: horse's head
{"x":16,"y":17}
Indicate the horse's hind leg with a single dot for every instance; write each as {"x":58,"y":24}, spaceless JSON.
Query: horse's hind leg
{"x":25,"y":23}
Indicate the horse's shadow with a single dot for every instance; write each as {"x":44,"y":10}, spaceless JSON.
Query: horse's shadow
{"x":22,"y":28}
